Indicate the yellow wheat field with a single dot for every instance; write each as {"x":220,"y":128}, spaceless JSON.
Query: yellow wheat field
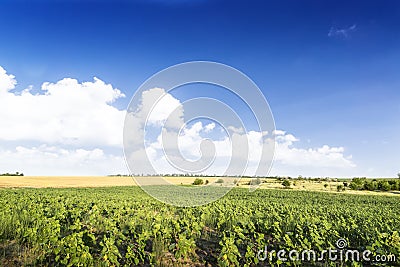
{"x":64,"y":181}
{"x":81,"y":181}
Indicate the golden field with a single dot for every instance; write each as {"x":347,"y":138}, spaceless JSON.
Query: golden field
{"x":107,"y":181}
{"x":64,"y":181}
{"x":82,"y":181}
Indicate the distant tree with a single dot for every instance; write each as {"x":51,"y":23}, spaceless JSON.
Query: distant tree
{"x":198,"y":181}
{"x":219,"y":181}
{"x":340,"y":188}
{"x":286,"y":183}
{"x":370,"y":185}
{"x":394,"y":184}
{"x":325,"y":185}
{"x":384,"y":185}
{"x":346,"y":184}
{"x":12,"y":174}
{"x":357,"y":183}
{"x":207,"y":182}
{"x":398,"y":175}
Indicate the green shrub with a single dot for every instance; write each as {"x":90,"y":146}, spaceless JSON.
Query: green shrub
{"x":394,"y":184}
{"x":370,"y":185}
{"x":384,"y":185}
{"x":357,"y":183}
{"x":198,"y":181}
{"x":286,"y":183}
{"x":219,"y":181}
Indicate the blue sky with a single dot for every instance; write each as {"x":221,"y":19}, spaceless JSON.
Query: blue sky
{"x":329,"y":69}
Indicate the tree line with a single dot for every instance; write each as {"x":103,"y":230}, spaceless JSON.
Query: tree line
{"x":12,"y":174}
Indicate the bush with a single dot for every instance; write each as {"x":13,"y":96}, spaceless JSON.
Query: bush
{"x":219,"y":181}
{"x":357,"y":183}
{"x":374,"y":184}
{"x":384,"y":185}
{"x":394,"y":185}
{"x":340,"y":188}
{"x":370,"y":185}
{"x":286,"y":183}
{"x":198,"y":181}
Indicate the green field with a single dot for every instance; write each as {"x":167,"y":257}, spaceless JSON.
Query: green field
{"x":123,"y":226}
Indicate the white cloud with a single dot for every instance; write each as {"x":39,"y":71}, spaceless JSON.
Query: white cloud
{"x":186,"y":147}
{"x":313,"y":161}
{"x":69,"y":116}
{"x":67,"y":113}
{"x":342,"y":32}
{"x":51,"y":160}
{"x":63,"y":119}
{"x":7,"y":81}
{"x":160,"y":106}
{"x":209,"y":127}
{"x":321,"y":157}
{"x":154,"y":108}
{"x":235,"y":130}
{"x":289,"y":159}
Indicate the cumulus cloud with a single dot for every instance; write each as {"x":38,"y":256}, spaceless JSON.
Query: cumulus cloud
{"x":321,"y":157}
{"x":67,"y":128}
{"x":65,"y":112}
{"x":52,"y":160}
{"x":289,"y":159}
{"x":342,"y":32}
{"x":7,"y":81}
{"x":157,"y":106}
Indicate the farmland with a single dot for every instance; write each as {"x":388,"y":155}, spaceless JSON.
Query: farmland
{"x":321,"y":185}
{"x":123,"y":226}
{"x":63,"y":182}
